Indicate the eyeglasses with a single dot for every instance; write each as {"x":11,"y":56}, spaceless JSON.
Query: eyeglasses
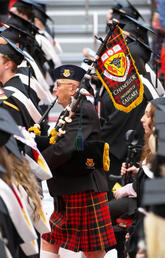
{"x":59,"y":84}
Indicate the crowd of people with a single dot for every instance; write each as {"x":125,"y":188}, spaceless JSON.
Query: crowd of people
{"x":104,"y":167}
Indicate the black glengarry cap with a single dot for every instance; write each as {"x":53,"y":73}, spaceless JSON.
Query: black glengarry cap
{"x":69,"y":71}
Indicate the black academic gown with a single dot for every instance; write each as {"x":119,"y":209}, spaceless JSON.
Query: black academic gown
{"x":8,"y":231}
{"x":31,"y":93}
{"x":18,"y":111}
{"x":116,"y":123}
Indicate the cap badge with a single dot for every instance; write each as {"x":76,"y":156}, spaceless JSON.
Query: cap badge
{"x":66,"y":73}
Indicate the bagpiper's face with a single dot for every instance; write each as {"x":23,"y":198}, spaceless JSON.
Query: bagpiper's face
{"x":147,"y":120}
{"x":65,"y":89}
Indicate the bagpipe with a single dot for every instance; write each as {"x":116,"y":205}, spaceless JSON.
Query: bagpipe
{"x":134,"y":149}
{"x":99,"y":150}
{"x":133,"y":153}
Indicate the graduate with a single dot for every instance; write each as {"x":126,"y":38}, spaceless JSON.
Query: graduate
{"x":19,"y":104}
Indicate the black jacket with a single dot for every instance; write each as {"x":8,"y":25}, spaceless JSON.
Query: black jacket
{"x":68,"y":175}
{"x":9,"y":231}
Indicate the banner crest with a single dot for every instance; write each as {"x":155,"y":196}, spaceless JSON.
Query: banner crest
{"x":117,"y":71}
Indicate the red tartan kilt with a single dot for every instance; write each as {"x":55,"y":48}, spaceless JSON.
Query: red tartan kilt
{"x":84,"y":225}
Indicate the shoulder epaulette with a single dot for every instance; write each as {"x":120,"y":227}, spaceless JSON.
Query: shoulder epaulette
{"x":11,"y":105}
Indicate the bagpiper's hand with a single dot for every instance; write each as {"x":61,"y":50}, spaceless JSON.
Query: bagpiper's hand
{"x":35,"y":129}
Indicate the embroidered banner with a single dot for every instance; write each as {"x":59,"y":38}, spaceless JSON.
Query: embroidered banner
{"x":116,"y":69}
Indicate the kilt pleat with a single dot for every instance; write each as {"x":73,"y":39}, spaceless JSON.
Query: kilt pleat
{"x":84,"y":225}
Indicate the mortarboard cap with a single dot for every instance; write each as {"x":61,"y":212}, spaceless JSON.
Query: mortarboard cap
{"x":119,"y":4}
{"x":23,"y":3}
{"x":12,"y":51}
{"x":69,"y":71}
{"x":16,"y":57}
{"x":116,"y":14}
{"x":121,"y":17}
{"x":8,"y":126}
{"x":132,"y":11}
{"x":42,"y":4}
{"x":12,"y":147}
{"x":140,"y":30}
{"x":158,"y":101}
{"x":40,"y":11}
{"x":132,"y":25}
{"x":120,"y":13}
{"x":41,"y":14}
{"x":14,"y":34}
{"x":154,"y":192}
{"x":30,"y":3}
{"x":22,"y":24}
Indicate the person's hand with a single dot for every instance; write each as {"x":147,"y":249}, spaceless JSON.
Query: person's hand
{"x":132,"y":169}
{"x":124,"y":191}
{"x":118,"y":193}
